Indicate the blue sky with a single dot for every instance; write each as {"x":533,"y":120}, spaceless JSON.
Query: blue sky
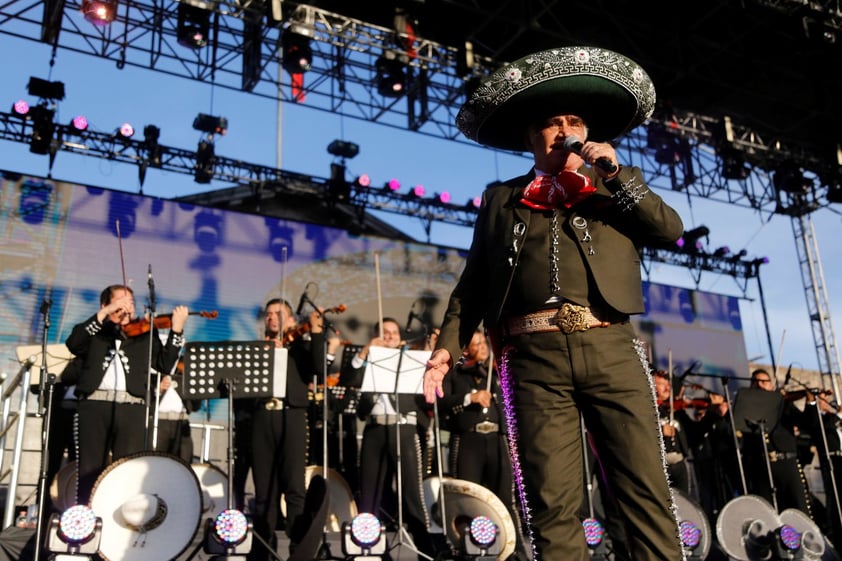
{"x":108,"y":97}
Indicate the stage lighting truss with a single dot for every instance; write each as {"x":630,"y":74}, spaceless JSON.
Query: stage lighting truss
{"x":363,"y":539}
{"x":100,"y":12}
{"x":74,"y":534}
{"x":229,"y":534}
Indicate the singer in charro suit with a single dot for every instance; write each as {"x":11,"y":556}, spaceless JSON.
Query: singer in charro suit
{"x":554,"y":273}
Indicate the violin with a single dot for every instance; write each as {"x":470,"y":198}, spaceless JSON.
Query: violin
{"x":140,"y":326}
{"x":680,"y":404}
{"x":798,"y":394}
{"x":300,"y":329}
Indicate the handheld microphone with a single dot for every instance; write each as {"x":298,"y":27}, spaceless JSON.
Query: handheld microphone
{"x":45,"y":306}
{"x":575,"y":145}
{"x":151,"y":283}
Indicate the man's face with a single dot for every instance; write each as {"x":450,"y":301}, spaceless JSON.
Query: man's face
{"x":391,"y":334}
{"x":662,"y":388}
{"x":762,"y":381}
{"x":478,"y":348}
{"x":277,"y":320}
{"x":124,"y":316}
{"x":546,"y":140}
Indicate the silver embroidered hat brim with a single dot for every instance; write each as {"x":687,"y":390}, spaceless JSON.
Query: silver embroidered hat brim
{"x":612,"y":93}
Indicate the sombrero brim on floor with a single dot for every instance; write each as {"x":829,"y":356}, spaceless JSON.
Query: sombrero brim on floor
{"x":612,"y":93}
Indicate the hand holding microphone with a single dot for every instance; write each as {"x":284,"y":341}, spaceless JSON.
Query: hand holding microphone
{"x":575,"y":145}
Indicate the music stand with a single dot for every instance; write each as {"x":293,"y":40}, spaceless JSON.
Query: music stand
{"x":235,"y":369}
{"x":394,"y":372}
{"x":756,"y":414}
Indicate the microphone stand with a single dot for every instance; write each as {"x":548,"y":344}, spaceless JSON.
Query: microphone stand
{"x":324,"y":549}
{"x":149,"y":377}
{"x":46,"y":384}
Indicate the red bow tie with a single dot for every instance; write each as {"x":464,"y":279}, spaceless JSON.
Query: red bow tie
{"x":567,"y":188}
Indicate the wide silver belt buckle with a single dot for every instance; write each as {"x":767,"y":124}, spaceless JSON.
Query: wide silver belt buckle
{"x":571,"y":317}
{"x":485,"y":427}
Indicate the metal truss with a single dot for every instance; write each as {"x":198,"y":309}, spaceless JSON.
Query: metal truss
{"x":245,"y":54}
{"x":266,"y":182}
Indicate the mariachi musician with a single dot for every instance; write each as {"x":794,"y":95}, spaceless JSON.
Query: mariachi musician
{"x":683,"y":433}
{"x":113,"y":379}
{"x":279,"y":428}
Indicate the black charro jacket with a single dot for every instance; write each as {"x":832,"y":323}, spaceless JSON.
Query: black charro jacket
{"x":623,"y":215}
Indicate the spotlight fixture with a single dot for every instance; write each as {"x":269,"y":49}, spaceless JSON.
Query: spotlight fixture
{"x":393,"y":185}
{"x":45,"y":89}
{"x":230,"y":533}
{"x":363,"y":180}
{"x":74,"y":534}
{"x":691,"y":535}
{"x":210,"y":124}
{"x":79,"y":124}
{"x":480,"y":540}
{"x":790,"y":178}
{"x":475,"y":202}
{"x":722,"y":251}
{"x":690,"y":241}
{"x":297,"y":53}
{"x":205,"y":160}
{"x":343,"y":149}
{"x":338,"y":189}
{"x":391,"y":74}
{"x":125,"y":131}
{"x":99,"y":12}
{"x":443,"y":197}
{"x":418,"y":191}
{"x":151,"y":133}
{"x":43,"y":129}
{"x":364,"y":538}
{"x":20,"y":108}
{"x":193,"y":26}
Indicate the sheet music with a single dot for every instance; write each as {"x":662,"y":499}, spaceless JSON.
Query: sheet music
{"x":279,"y":378}
{"x":58,"y":356}
{"x":381,"y":370}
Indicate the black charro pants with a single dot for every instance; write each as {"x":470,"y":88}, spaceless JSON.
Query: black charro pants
{"x":548,"y":379}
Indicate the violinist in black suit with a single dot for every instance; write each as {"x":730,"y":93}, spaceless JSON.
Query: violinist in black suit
{"x":473,"y":406}
{"x":279,"y":430}
{"x":113,"y":378}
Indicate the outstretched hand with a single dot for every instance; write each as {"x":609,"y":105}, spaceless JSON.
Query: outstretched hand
{"x":437,"y":368}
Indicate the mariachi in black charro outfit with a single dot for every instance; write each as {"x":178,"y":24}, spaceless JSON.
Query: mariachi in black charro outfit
{"x":556,"y":284}
{"x":279,"y":446}
{"x":113,"y":421}
{"x":478,"y":447}
{"x":378,"y":460}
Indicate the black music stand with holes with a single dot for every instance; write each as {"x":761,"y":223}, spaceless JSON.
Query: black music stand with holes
{"x":233,"y":370}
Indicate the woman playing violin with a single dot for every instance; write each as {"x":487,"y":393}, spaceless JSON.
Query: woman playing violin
{"x":113,"y":380}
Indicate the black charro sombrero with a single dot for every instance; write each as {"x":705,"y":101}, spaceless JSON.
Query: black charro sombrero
{"x":612,"y":93}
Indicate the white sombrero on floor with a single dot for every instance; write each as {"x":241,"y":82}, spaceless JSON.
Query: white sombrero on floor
{"x":150,"y":504}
